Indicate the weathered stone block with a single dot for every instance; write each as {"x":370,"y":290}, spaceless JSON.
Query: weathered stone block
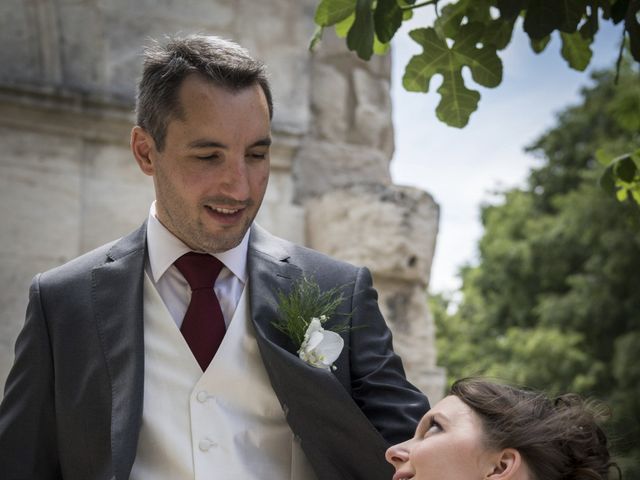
{"x":109,"y":162}
{"x":21,"y":55}
{"x":334,"y":49}
{"x":278,"y":36}
{"x":404,"y":306}
{"x":390,"y":229}
{"x":321,"y":167}
{"x":373,"y":122}
{"x":40,"y":185}
{"x":288,"y":73}
{"x":278,"y":214}
{"x":112,"y":209}
{"x":330,"y":103}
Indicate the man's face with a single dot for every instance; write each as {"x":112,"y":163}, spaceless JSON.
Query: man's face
{"x":211,"y":177}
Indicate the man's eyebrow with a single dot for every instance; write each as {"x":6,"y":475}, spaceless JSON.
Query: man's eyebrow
{"x":263,"y":142}
{"x":206,"y":143}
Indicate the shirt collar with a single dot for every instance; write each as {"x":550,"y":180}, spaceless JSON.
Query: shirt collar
{"x":164,"y":248}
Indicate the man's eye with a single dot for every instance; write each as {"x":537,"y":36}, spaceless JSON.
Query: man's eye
{"x":211,"y":156}
{"x":257,"y":156}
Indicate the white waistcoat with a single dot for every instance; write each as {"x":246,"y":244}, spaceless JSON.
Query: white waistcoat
{"x":223,"y":423}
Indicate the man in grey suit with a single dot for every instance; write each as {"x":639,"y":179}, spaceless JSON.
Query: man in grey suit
{"x":103,"y":385}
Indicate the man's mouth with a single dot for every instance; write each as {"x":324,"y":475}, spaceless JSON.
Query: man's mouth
{"x":225,"y":215}
{"x":224,"y":211}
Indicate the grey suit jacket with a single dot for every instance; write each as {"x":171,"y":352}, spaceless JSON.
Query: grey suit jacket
{"x":73,"y":400}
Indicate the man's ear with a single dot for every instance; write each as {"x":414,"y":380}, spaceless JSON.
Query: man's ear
{"x":143,"y":148}
{"x":505,"y":465}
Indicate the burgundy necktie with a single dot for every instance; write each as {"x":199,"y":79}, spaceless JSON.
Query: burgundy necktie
{"x":203,"y":326}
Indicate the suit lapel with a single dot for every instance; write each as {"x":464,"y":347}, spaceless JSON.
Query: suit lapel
{"x":269,"y":273}
{"x":337,"y":423}
{"x":117,"y":296}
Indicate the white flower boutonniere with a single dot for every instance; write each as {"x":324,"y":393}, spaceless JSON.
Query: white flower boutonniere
{"x":320,"y":347}
{"x":303,"y":315}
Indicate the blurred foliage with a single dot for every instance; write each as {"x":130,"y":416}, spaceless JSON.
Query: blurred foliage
{"x":468,"y":34}
{"x":622,"y":175}
{"x":554,"y":302}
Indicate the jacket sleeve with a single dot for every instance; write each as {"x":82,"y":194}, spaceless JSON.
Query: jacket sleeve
{"x":378,"y":383}
{"x":28,"y":445}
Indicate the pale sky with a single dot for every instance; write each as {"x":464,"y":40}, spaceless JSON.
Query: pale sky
{"x":460,"y":167}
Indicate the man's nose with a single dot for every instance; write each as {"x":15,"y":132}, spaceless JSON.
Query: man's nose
{"x":234,"y":181}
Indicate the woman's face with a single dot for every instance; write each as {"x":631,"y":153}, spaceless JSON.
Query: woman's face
{"x":448,"y":444}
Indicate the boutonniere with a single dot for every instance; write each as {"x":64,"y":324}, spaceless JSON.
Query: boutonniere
{"x":303,"y":315}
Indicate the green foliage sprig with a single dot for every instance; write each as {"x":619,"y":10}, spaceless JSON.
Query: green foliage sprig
{"x":305,"y":302}
{"x":469,"y":33}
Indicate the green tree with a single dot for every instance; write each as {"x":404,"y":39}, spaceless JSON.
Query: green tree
{"x":554,"y":301}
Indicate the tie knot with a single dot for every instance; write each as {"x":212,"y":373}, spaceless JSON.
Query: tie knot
{"x":200,"y":269}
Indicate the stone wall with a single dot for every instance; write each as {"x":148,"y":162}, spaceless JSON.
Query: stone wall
{"x":68,"y":182}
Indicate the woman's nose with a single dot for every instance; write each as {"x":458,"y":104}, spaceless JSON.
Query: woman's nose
{"x":397,"y":454}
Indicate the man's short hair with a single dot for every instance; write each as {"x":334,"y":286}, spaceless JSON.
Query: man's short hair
{"x":224,"y":63}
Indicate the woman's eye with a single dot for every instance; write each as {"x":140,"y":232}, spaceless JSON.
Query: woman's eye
{"x":434,"y":427}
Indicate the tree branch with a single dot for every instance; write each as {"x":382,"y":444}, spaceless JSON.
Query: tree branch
{"x":418,"y":5}
{"x":620,"y":55}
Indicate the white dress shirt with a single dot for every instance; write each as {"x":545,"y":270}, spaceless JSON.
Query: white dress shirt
{"x":226,"y":421}
{"x":164,"y":248}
